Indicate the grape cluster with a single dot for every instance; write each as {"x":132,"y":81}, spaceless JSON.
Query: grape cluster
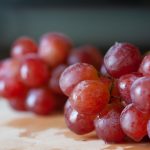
{"x":114,"y":102}
{"x":29,"y":79}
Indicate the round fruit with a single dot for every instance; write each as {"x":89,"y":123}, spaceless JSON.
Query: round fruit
{"x":40,"y":101}
{"x":124,"y":85}
{"x":23,"y":46}
{"x":148,"y":128}
{"x":86,"y":54}
{"x":33,"y":71}
{"x":89,"y":97}
{"x":140,"y":93}
{"x":145,"y":66}
{"x":54,"y":79}
{"x":10,"y":68}
{"x":74,"y":74}
{"x":121,"y":59}
{"x":103,"y":71}
{"x":18,"y":104}
{"x":134,"y":122}
{"x":76,"y":122}
{"x":107,"y":124}
{"x":107,"y":81}
{"x":54,"y":48}
{"x":12,"y":88}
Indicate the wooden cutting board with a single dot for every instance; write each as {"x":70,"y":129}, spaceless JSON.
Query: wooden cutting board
{"x":25,"y":131}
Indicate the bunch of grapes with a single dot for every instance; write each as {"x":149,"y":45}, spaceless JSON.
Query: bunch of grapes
{"x":29,"y":79}
{"x":114,"y":102}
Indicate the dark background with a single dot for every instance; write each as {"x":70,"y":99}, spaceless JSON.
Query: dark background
{"x":100,"y":22}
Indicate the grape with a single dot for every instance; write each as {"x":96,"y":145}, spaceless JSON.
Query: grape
{"x":10,"y":68}
{"x":54,"y":48}
{"x":74,"y":74}
{"x":12,"y":88}
{"x":145,"y":66}
{"x":76,"y":122}
{"x":33,"y":71}
{"x":148,"y":128}
{"x":121,"y":59}
{"x":103,"y":71}
{"x":107,"y":124}
{"x":112,"y":85}
{"x":124,"y":85}
{"x":40,"y":101}
{"x":23,"y":46}
{"x":18,"y":104}
{"x":54,"y":80}
{"x":89,"y":97}
{"x":134,"y":122}
{"x":37,"y":79}
{"x":86,"y":54}
{"x":107,"y":81}
{"x":140,"y":93}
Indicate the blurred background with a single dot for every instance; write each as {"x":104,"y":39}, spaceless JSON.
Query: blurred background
{"x":99,"y":22}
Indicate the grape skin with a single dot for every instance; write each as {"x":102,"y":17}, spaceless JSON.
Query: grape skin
{"x":134,"y":122}
{"x":40,"y":101}
{"x":140,"y":93}
{"x":54,"y":48}
{"x":107,"y":124}
{"x":22,"y":46}
{"x":124,"y":84}
{"x":74,"y":74}
{"x":76,"y":122}
{"x":33,"y":71}
{"x":90,"y":97}
{"x":54,"y":79}
{"x":86,"y":54}
{"x":145,"y":66}
{"x":122,"y":58}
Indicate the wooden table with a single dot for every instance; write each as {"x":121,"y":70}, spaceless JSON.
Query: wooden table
{"x":25,"y":131}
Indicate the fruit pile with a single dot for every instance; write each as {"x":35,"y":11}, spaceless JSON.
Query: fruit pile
{"x":114,"y":102}
{"x":29,"y":79}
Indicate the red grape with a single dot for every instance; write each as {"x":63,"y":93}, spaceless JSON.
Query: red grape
{"x":12,"y":88}
{"x":148,"y":128}
{"x":33,"y":71}
{"x":90,"y":97}
{"x":40,"y":101}
{"x":107,"y":81}
{"x":36,"y":78}
{"x":103,"y":71}
{"x":86,"y":54}
{"x":74,"y":74}
{"x":18,"y":104}
{"x":145,"y":66}
{"x":124,"y":85}
{"x":54,"y":80}
{"x":122,"y":58}
{"x":76,"y":122}
{"x":134,"y":122}
{"x":10,"y":68}
{"x":107,"y":124}
{"x":23,"y":46}
{"x":140,"y":93}
{"x":54,"y":48}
